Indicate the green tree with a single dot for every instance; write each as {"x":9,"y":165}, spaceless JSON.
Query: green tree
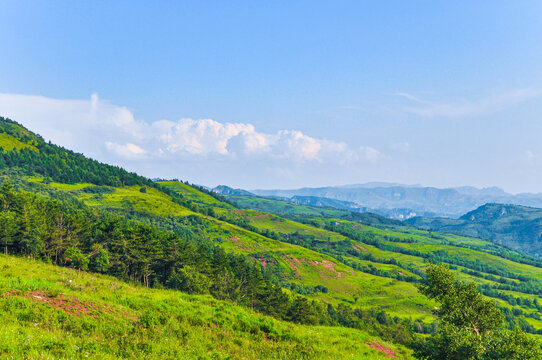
{"x":303,"y":312}
{"x":189,"y":280}
{"x":471,"y":325}
{"x":99,"y":258}
{"x":8,"y":229}
{"x":76,"y":258}
{"x":30,"y":236}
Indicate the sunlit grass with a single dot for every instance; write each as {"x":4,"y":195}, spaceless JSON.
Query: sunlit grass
{"x":137,"y":322}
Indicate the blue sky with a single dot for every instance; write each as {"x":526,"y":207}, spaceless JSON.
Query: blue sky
{"x":284,"y":94}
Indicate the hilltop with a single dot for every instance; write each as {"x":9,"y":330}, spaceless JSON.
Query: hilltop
{"x":519,"y":227}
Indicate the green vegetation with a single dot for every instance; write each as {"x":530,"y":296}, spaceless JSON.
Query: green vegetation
{"x":348,"y":273}
{"x":52,"y":312}
{"x":9,"y":143}
{"x":299,"y":212}
{"x":518,"y":227}
{"x":57,"y":163}
{"x":470,"y":324}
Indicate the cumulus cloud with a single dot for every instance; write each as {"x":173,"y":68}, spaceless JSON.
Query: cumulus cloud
{"x":206,"y":136}
{"x":127,"y":150}
{"x":110,"y":133}
{"x":484,"y":106}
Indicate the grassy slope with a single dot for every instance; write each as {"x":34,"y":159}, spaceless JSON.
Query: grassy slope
{"x":296,"y":263}
{"x":52,"y":312}
{"x":397,"y":297}
{"x":284,"y":207}
{"x":9,"y":143}
{"x":424,"y":241}
{"x":193,"y":194}
{"x":292,"y":210}
{"x":307,"y":267}
{"x":516,"y":226}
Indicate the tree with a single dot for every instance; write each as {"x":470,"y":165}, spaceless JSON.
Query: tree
{"x":76,"y":258}
{"x":100,"y":258}
{"x":30,"y":237}
{"x":303,"y":312}
{"x":8,"y":229}
{"x":189,"y":280}
{"x":471,"y":325}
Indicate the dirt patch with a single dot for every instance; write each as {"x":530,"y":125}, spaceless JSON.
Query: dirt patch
{"x":69,"y":305}
{"x":359,"y":248}
{"x":329,"y":266}
{"x":293,"y":263}
{"x":384,"y":349}
{"x":263,"y":262}
{"x":238,"y":243}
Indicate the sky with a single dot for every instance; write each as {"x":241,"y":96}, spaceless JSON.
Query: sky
{"x":282,"y":94}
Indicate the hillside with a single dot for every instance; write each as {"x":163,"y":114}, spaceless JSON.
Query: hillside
{"x":518,"y":227}
{"x":300,"y":264}
{"x":297,"y":211}
{"x":52,"y":312}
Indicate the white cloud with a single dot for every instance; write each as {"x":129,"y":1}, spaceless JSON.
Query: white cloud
{"x":295,"y":144}
{"x":127,"y":150}
{"x":371,"y":154}
{"x":111,"y":133}
{"x":206,"y":136}
{"x":484,"y":106}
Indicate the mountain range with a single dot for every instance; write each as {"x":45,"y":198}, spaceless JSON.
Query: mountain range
{"x":406,"y":201}
{"x":516,"y":226}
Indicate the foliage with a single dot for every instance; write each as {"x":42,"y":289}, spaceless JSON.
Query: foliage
{"x":470,"y":324}
{"x":81,"y":238}
{"x":49,"y":312}
{"x":60,"y":164}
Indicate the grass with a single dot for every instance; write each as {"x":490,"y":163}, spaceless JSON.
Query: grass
{"x":108,"y":319}
{"x":301,"y":265}
{"x":193,"y":194}
{"x":266,"y":221}
{"x":10,"y":143}
{"x":283,"y":207}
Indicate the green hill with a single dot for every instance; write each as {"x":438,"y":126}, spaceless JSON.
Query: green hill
{"x":319,"y":267}
{"x":299,"y":212}
{"x":52,"y":312}
{"x":515,"y":226}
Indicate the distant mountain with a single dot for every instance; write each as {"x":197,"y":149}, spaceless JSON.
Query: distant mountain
{"x":327,"y":202}
{"x":418,"y":200}
{"x":226,"y":190}
{"x":518,"y":227}
{"x":374,"y":184}
{"x":395,"y":213}
{"x":490,"y":191}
